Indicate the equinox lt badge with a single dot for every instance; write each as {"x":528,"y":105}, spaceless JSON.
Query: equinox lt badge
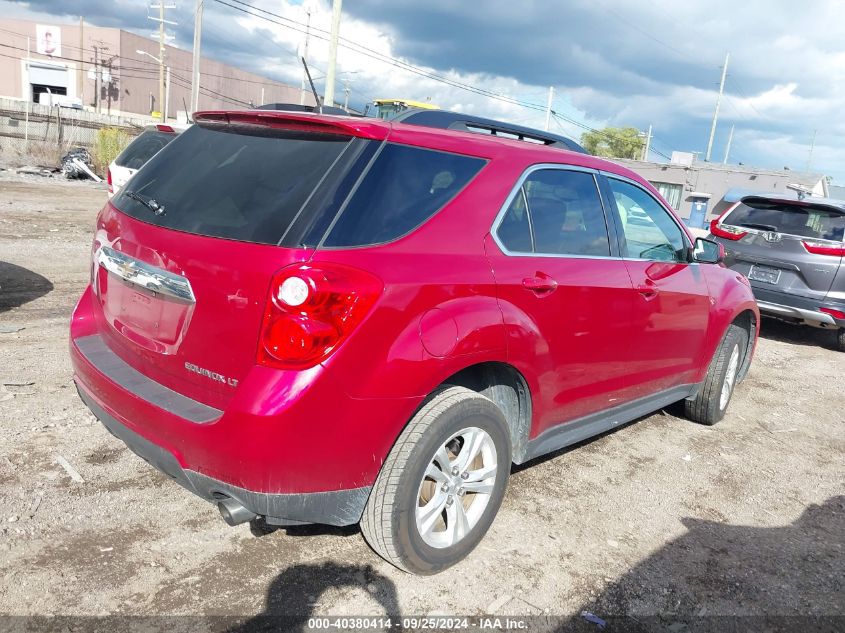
{"x":232,"y":382}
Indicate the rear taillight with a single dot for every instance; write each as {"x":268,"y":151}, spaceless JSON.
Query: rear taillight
{"x":824,"y":248}
{"x":311,"y":310}
{"x":726,"y":231}
{"x":836,"y":314}
{"x":108,"y":178}
{"x":165,"y":128}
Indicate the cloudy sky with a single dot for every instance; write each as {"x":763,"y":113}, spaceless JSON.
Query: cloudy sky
{"x":611,"y":62}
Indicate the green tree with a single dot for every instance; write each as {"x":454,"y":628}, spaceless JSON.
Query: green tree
{"x":614,"y":142}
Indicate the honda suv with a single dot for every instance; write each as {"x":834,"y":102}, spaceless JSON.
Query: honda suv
{"x":318,"y":319}
{"x":792,"y":252}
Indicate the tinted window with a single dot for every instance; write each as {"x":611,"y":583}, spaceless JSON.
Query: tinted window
{"x":404,"y":187}
{"x":649,"y":231}
{"x":814,"y":222}
{"x":143,"y":148}
{"x":239,"y":182}
{"x":563,"y":213}
{"x":514,"y":231}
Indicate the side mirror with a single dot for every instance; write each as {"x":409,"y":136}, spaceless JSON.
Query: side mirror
{"x":708,"y":252}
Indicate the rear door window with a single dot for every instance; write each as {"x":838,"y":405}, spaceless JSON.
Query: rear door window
{"x":556,"y":212}
{"x":802,"y":221}
{"x":403,"y":188}
{"x":241,"y":182}
{"x":143,"y":148}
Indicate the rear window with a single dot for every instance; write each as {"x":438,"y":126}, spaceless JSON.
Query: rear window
{"x":813,"y":222}
{"x":245,"y":183}
{"x":403,"y":188}
{"x":143,"y":148}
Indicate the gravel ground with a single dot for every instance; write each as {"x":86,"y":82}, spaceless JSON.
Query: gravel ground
{"x":659,"y":517}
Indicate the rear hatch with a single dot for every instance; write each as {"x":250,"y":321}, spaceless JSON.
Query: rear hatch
{"x":790,"y":246}
{"x":185,"y":254}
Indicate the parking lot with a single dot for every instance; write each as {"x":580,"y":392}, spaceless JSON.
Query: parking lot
{"x":659,"y":517}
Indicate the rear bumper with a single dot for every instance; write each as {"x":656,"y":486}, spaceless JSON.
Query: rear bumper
{"x":287,"y":445}
{"x":337,"y":507}
{"x":809,"y":317}
{"x":795,"y":308}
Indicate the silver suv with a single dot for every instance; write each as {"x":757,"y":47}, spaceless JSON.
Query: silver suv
{"x":792,"y":252}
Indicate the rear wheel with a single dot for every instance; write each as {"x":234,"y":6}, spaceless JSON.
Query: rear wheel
{"x":840,"y":339}
{"x":441,"y":485}
{"x":711,"y":402}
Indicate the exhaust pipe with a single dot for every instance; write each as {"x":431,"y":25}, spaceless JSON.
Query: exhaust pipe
{"x":234,"y":513}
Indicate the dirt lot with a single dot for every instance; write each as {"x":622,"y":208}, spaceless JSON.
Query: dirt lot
{"x":660,"y":517}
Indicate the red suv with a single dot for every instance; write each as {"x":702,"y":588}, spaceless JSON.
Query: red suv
{"x":318,"y":319}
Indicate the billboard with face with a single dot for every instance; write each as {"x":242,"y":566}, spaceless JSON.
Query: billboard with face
{"x":48,"y":40}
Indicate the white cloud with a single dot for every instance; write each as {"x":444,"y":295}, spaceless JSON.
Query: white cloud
{"x":618,"y":62}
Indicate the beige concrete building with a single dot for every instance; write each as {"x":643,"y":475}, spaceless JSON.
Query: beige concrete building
{"x":63,"y":59}
{"x":697,"y":190}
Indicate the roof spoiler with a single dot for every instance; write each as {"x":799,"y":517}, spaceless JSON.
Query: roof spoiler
{"x":296,"y":121}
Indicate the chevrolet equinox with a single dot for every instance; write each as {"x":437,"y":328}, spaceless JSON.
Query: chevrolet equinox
{"x":317,"y":319}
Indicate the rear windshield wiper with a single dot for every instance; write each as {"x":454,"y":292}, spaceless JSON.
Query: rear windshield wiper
{"x":762,"y":227}
{"x":150,"y":203}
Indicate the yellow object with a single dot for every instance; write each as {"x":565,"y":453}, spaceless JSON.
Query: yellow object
{"x":389,"y":108}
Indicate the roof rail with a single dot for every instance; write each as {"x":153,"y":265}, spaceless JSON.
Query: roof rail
{"x":444,"y":119}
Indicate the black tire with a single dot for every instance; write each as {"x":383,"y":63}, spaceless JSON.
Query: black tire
{"x":707,"y":406}
{"x":389,"y":522}
{"x":840,"y":339}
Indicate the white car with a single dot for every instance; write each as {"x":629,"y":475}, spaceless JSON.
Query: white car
{"x":142,"y":148}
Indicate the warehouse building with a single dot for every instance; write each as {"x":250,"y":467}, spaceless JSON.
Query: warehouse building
{"x":699,"y":191}
{"x":116,"y":72}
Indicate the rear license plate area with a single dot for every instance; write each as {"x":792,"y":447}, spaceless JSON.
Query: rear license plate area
{"x":764,"y":274}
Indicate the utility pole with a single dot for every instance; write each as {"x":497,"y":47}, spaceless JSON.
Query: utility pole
{"x":29,"y":97}
{"x":728,"y":148}
{"x":346,"y":95}
{"x":810,"y":156}
{"x":96,"y":80}
{"x":80,"y":85}
{"x":161,"y":59}
{"x":197,"y":55}
{"x":166,"y":94}
{"x":647,"y":144}
{"x":328,"y":97}
{"x":716,"y":112}
{"x":108,"y":83}
{"x":549,"y":107}
{"x":161,"y":37}
{"x":305,"y":53}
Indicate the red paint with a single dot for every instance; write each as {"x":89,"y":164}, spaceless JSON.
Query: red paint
{"x":586,"y":334}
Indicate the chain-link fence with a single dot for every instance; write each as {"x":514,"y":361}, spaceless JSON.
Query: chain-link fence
{"x":45,"y":133}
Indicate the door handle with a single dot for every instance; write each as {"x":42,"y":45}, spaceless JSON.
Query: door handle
{"x":648,"y":290}
{"x":540,"y":284}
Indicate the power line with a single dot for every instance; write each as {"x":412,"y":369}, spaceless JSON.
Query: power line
{"x":294,"y":25}
{"x":750,"y":104}
{"x":127,"y":73}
